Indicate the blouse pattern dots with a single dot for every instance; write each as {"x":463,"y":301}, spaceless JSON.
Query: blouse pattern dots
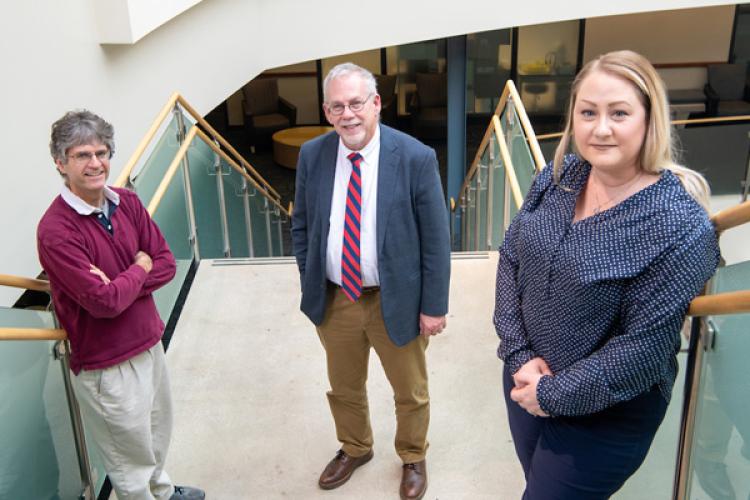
{"x":601,"y":300}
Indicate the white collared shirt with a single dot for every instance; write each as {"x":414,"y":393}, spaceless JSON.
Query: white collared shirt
{"x":84,"y":208}
{"x":368,"y":237}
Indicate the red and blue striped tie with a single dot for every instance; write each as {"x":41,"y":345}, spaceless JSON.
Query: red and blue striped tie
{"x":351,"y":274}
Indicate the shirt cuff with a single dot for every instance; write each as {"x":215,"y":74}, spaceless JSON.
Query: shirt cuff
{"x":544,"y":395}
{"x":515,"y":361}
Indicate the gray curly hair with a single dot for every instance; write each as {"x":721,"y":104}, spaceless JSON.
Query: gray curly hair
{"x":79,"y":127}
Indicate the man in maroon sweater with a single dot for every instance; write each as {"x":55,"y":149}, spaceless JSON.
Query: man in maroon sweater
{"x":104,"y":257}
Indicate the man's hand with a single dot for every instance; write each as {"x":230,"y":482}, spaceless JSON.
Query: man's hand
{"x":144,"y":260}
{"x":525,"y":394}
{"x":533,"y":366}
{"x":431,"y":325}
{"x":100,"y":273}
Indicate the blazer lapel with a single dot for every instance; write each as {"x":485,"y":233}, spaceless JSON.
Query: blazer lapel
{"x":389,"y":165}
{"x":327,"y":176}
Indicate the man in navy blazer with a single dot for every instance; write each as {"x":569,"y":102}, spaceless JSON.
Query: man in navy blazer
{"x":371,"y":239}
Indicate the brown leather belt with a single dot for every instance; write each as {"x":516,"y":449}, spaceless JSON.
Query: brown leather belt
{"x":365,"y":289}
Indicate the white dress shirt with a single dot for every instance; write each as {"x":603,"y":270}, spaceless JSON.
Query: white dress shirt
{"x":368,"y":223}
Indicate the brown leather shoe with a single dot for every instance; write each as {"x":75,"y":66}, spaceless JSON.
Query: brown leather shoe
{"x":414,"y":481}
{"x":340,"y":469}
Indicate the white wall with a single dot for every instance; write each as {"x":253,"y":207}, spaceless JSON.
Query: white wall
{"x":52,"y":62}
{"x":127,"y":21}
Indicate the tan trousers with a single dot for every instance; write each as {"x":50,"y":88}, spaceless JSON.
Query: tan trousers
{"x":127,"y":416}
{"x":348,"y":331}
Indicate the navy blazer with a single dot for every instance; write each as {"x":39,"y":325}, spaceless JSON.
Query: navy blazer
{"x":413,"y":241}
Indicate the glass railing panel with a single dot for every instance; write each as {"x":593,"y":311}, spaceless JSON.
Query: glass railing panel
{"x":483,"y":199}
{"x":172,"y":218}
{"x":205,"y":191}
{"x":471,"y":219}
{"x":260,"y":212}
{"x":720,"y":455}
{"x":518,"y":147}
{"x":235,"y":206}
{"x":38,"y":456}
{"x":463,"y":210}
{"x":277,"y":228}
{"x":150,"y":175}
{"x":166,"y":296}
{"x":655,"y":477}
{"x":497,"y":205}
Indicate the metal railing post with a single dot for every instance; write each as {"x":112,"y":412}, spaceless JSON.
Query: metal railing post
{"x":277,"y":212}
{"x":267,"y":213}
{"x":187,"y":186}
{"x":480,"y":187}
{"x":464,"y":232}
{"x":746,"y":183}
{"x":506,"y":201}
{"x":222,"y":205}
{"x":697,"y":346}
{"x":61,"y":352}
{"x":490,"y":193}
{"x":248,"y":218}
{"x":469,"y":201}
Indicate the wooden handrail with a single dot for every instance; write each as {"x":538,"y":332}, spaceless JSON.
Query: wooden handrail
{"x":721,"y":303}
{"x":553,"y":135}
{"x":203,"y":123}
{"x":32,"y":334}
{"x":732,"y":216}
{"x":128,"y":168}
{"x":207,"y":139}
{"x":536,"y":151}
{"x":149,"y":136}
{"x":509,"y":93}
{"x":25,"y":283}
{"x":483,"y":143}
{"x":718,"y":119}
{"x":510,"y":172}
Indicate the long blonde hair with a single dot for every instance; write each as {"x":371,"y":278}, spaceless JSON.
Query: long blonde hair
{"x":658,"y":150}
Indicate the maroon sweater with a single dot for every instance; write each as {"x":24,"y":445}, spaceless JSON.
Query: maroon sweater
{"x":106,"y":324}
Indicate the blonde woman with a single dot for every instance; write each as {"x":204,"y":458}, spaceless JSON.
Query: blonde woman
{"x":595,"y":276}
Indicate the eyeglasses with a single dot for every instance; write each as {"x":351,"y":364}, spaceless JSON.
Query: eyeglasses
{"x":354,"y":106}
{"x":85,"y":157}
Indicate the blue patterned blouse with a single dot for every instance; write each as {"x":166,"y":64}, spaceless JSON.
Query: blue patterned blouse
{"x":601,"y":300}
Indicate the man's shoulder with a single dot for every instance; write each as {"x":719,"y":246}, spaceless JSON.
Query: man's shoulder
{"x":126,"y":195}
{"x":57,"y":222}
{"x":313,"y":146}
{"x":402,"y":139}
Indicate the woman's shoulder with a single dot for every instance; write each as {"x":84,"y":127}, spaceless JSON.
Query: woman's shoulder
{"x":667,"y":217}
{"x":573,"y":172}
{"x":669,"y":202}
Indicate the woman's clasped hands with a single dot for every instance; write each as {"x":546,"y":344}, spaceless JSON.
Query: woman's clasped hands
{"x":526,"y":380}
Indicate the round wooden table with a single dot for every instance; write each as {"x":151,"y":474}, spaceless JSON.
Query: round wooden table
{"x":286,"y":143}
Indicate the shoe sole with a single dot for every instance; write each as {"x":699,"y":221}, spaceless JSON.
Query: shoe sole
{"x":331,"y":486}
{"x":424,"y":491}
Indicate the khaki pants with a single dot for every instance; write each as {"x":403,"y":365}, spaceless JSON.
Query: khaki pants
{"x":127,"y":415}
{"x":348,"y":331}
